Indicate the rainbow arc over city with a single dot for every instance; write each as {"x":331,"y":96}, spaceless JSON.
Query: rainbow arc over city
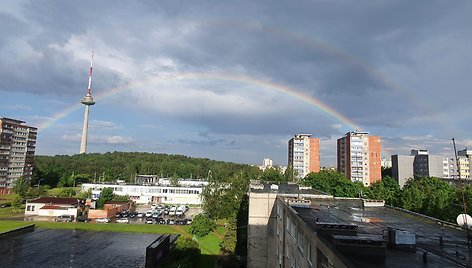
{"x":238,"y":78}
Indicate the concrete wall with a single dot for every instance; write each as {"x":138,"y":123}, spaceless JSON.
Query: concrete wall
{"x":402,"y":168}
{"x":436,"y":166}
{"x":297,"y":245}
{"x":58,"y":212}
{"x":260,"y":212}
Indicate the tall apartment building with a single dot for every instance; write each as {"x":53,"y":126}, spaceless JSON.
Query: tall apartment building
{"x":17,"y":146}
{"x":359,"y":157}
{"x":304,"y":154}
{"x":419,"y":164}
{"x":465,"y":163}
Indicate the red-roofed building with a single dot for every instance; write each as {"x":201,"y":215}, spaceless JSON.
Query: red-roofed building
{"x":52,"y":206}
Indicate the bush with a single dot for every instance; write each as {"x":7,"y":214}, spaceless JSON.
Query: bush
{"x":202,"y":225}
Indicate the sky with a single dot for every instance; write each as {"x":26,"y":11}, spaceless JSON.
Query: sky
{"x":235,"y":80}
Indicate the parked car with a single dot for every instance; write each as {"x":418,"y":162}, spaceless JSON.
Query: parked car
{"x":64,"y":218}
{"x":140,"y":215}
{"x":172,"y":210}
{"x":102,"y":220}
{"x":82,"y":219}
{"x":148,"y":221}
{"x":5,"y":205}
{"x":122,"y":220}
{"x":149,"y":213}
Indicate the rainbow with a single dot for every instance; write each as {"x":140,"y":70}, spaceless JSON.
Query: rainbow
{"x":284,"y":89}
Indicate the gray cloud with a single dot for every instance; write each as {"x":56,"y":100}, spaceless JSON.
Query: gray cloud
{"x":396,"y":68}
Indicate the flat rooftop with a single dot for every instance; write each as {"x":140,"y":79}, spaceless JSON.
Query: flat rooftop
{"x":283,"y":188}
{"x":374,"y":221}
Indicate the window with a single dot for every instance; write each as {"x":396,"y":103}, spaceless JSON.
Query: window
{"x":310,"y":255}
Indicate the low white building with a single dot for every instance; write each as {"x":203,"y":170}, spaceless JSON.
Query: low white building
{"x":142,"y":194}
{"x":52,"y":206}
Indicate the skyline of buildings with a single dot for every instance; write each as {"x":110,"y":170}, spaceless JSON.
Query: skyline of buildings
{"x":420,"y":163}
{"x":17,"y":147}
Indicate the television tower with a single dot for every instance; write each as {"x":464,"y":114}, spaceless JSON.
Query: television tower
{"x":87,"y":101}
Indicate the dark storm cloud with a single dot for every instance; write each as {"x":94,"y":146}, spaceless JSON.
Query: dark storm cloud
{"x":392,"y":66}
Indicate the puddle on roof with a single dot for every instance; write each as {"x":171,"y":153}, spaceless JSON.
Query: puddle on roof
{"x":366,"y":219}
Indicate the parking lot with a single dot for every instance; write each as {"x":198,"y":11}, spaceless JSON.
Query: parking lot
{"x":161,"y":218}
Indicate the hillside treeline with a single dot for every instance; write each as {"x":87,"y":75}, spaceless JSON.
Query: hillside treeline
{"x":66,"y":170}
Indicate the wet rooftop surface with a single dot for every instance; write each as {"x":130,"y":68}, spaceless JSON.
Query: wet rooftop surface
{"x":454,"y":252}
{"x":74,"y":248}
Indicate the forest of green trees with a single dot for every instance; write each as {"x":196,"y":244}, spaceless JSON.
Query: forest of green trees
{"x":65,"y":170}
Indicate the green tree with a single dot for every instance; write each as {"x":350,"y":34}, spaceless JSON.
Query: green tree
{"x":228,"y":244}
{"x":16,"y":203}
{"x":34,"y":192}
{"x":21,"y":187}
{"x":85,"y":194}
{"x":430,"y":196}
{"x":222,"y":198}
{"x":174,"y":181}
{"x":334,"y":183}
{"x":67,"y":192}
{"x":386,"y":189}
{"x":202,"y":225}
{"x":105,"y":195}
{"x":290,"y":174}
{"x":272,"y":174}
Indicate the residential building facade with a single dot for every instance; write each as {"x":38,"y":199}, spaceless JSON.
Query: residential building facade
{"x":465,"y":163}
{"x":304,"y":154}
{"x":266,"y":163}
{"x":359,"y":157}
{"x":419,"y":164}
{"x":17,"y":147}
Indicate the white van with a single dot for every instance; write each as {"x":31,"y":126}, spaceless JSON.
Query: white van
{"x":172,"y":210}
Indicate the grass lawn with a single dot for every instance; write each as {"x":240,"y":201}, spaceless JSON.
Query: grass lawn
{"x":7,"y":198}
{"x":7,"y":225}
{"x":9,"y":212}
{"x":113,"y":227}
{"x":210,"y":244}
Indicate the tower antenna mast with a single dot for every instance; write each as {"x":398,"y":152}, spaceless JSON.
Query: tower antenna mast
{"x":87,"y":101}
{"x":90,"y":77}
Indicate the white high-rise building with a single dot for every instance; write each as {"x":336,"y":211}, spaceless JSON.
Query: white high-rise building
{"x":266,"y":163}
